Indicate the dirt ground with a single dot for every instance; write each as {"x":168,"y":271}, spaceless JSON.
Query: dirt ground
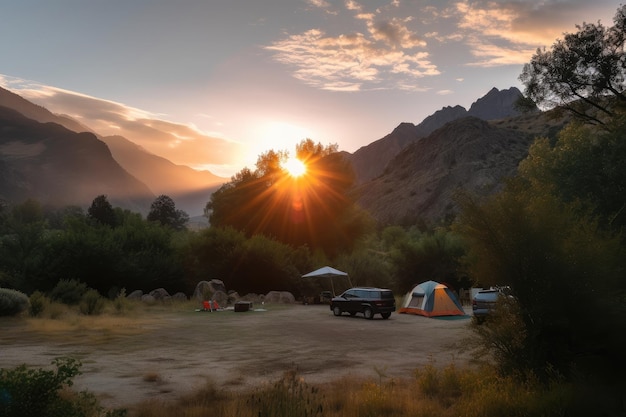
{"x":173,"y":353}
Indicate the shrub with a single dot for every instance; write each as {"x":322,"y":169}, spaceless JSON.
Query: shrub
{"x":39,"y":393}
{"x":91,"y":303}
{"x":38,"y":303}
{"x":69,"y":291}
{"x":12,"y":302}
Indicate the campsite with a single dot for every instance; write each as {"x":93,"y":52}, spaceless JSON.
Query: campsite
{"x":167,"y":352}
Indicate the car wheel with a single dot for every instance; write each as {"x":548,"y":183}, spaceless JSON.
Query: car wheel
{"x":368,"y":313}
{"x":385,"y":315}
{"x":336,"y":311}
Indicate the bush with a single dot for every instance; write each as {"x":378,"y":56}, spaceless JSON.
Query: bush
{"x":69,"y":291}
{"x":92,"y":303}
{"x":12,"y":302}
{"x":37,"y":392}
{"x":38,"y":303}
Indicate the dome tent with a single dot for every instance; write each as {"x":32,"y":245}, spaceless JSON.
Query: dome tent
{"x":431,"y":299}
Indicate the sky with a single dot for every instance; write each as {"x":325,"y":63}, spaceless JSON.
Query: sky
{"x":215,"y":83}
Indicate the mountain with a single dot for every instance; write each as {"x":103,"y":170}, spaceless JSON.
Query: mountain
{"x":57,"y":166}
{"x":190,"y":189}
{"x":470,"y":154}
{"x":370,"y":161}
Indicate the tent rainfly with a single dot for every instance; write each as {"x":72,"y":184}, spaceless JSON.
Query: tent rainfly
{"x":431,"y":299}
{"x":327,"y":272}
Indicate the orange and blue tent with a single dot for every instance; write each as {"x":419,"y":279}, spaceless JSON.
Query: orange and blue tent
{"x":431,"y":299}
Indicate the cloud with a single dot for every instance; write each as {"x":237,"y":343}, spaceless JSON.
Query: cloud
{"x":180,"y":143}
{"x":386,"y":55}
{"x":509,"y":32}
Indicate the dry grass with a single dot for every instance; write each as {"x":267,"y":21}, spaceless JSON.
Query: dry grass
{"x":432,"y":392}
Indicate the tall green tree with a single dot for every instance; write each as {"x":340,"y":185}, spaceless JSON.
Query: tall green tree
{"x":163,"y":210}
{"x":583,"y":73}
{"x":102,"y":211}
{"x":314,"y":209}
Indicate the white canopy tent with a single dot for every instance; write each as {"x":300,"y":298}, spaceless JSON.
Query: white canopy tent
{"x":328,"y":272}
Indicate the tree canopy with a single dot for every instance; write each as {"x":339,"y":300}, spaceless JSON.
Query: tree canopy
{"x":583,"y":73}
{"x":163,"y":210}
{"x":313,"y":209}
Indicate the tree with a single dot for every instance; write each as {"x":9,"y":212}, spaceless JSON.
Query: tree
{"x":102,"y":211}
{"x":314,"y":209}
{"x":163,"y":210}
{"x":584,"y":73}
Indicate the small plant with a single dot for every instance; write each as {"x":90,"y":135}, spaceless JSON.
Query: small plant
{"x":91,"y":303}
{"x":38,"y":303}
{"x":69,"y":291}
{"x":288,"y":397}
{"x":12,"y":302}
{"x":39,"y":392}
{"x":120,"y":302}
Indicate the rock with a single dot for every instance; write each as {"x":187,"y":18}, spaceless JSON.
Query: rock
{"x":160,"y":294}
{"x":148,"y":299}
{"x":205,"y":289}
{"x":221,"y":297}
{"x":135,"y":295}
{"x":179,"y":296}
{"x":283,"y":297}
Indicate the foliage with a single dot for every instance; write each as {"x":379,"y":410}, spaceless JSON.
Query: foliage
{"x":91,"y":303}
{"x":584,"y":167}
{"x":312,"y":210}
{"x":38,"y":303}
{"x":444,"y":391}
{"x":22,"y":244}
{"x":39,"y":393}
{"x":163,"y":210}
{"x":581,"y":71}
{"x":12,"y":302}
{"x":556,"y":262}
{"x":69,"y":291}
{"x":433,"y":256}
{"x":289,"y":396}
{"x":102,"y":211}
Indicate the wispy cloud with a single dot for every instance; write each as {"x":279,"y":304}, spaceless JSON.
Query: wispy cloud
{"x":386,"y":53}
{"x":180,"y":143}
{"x":509,"y":32}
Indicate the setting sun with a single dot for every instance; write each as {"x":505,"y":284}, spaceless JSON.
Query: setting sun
{"x":295,"y":167}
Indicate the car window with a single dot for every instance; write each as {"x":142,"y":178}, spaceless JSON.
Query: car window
{"x":386,"y":294}
{"x":349,"y":294}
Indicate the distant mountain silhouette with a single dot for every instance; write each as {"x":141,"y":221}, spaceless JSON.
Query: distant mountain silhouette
{"x":190,"y":189}
{"x":56,"y":166}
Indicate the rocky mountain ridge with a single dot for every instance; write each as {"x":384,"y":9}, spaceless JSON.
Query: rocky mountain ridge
{"x":371,"y":160}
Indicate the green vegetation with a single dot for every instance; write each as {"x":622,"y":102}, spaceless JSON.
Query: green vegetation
{"x":43,"y":393}
{"x":12,"y":302}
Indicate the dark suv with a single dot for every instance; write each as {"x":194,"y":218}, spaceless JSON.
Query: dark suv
{"x":366,"y":300}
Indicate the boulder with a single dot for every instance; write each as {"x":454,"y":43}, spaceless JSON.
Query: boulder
{"x":135,"y":295}
{"x":148,"y":299}
{"x":179,"y":296}
{"x":221,"y":297}
{"x":206,"y":289}
{"x":282,"y":297}
{"x":160,"y":294}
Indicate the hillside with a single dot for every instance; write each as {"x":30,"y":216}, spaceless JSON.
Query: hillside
{"x":419,"y":184}
{"x":190,"y":189}
{"x":56,"y":166}
{"x":371,"y":160}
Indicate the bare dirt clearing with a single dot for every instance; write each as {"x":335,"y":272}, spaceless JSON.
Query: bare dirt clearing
{"x":163,"y":354}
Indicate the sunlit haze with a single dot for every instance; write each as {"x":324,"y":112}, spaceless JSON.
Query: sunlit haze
{"x":213,"y":84}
